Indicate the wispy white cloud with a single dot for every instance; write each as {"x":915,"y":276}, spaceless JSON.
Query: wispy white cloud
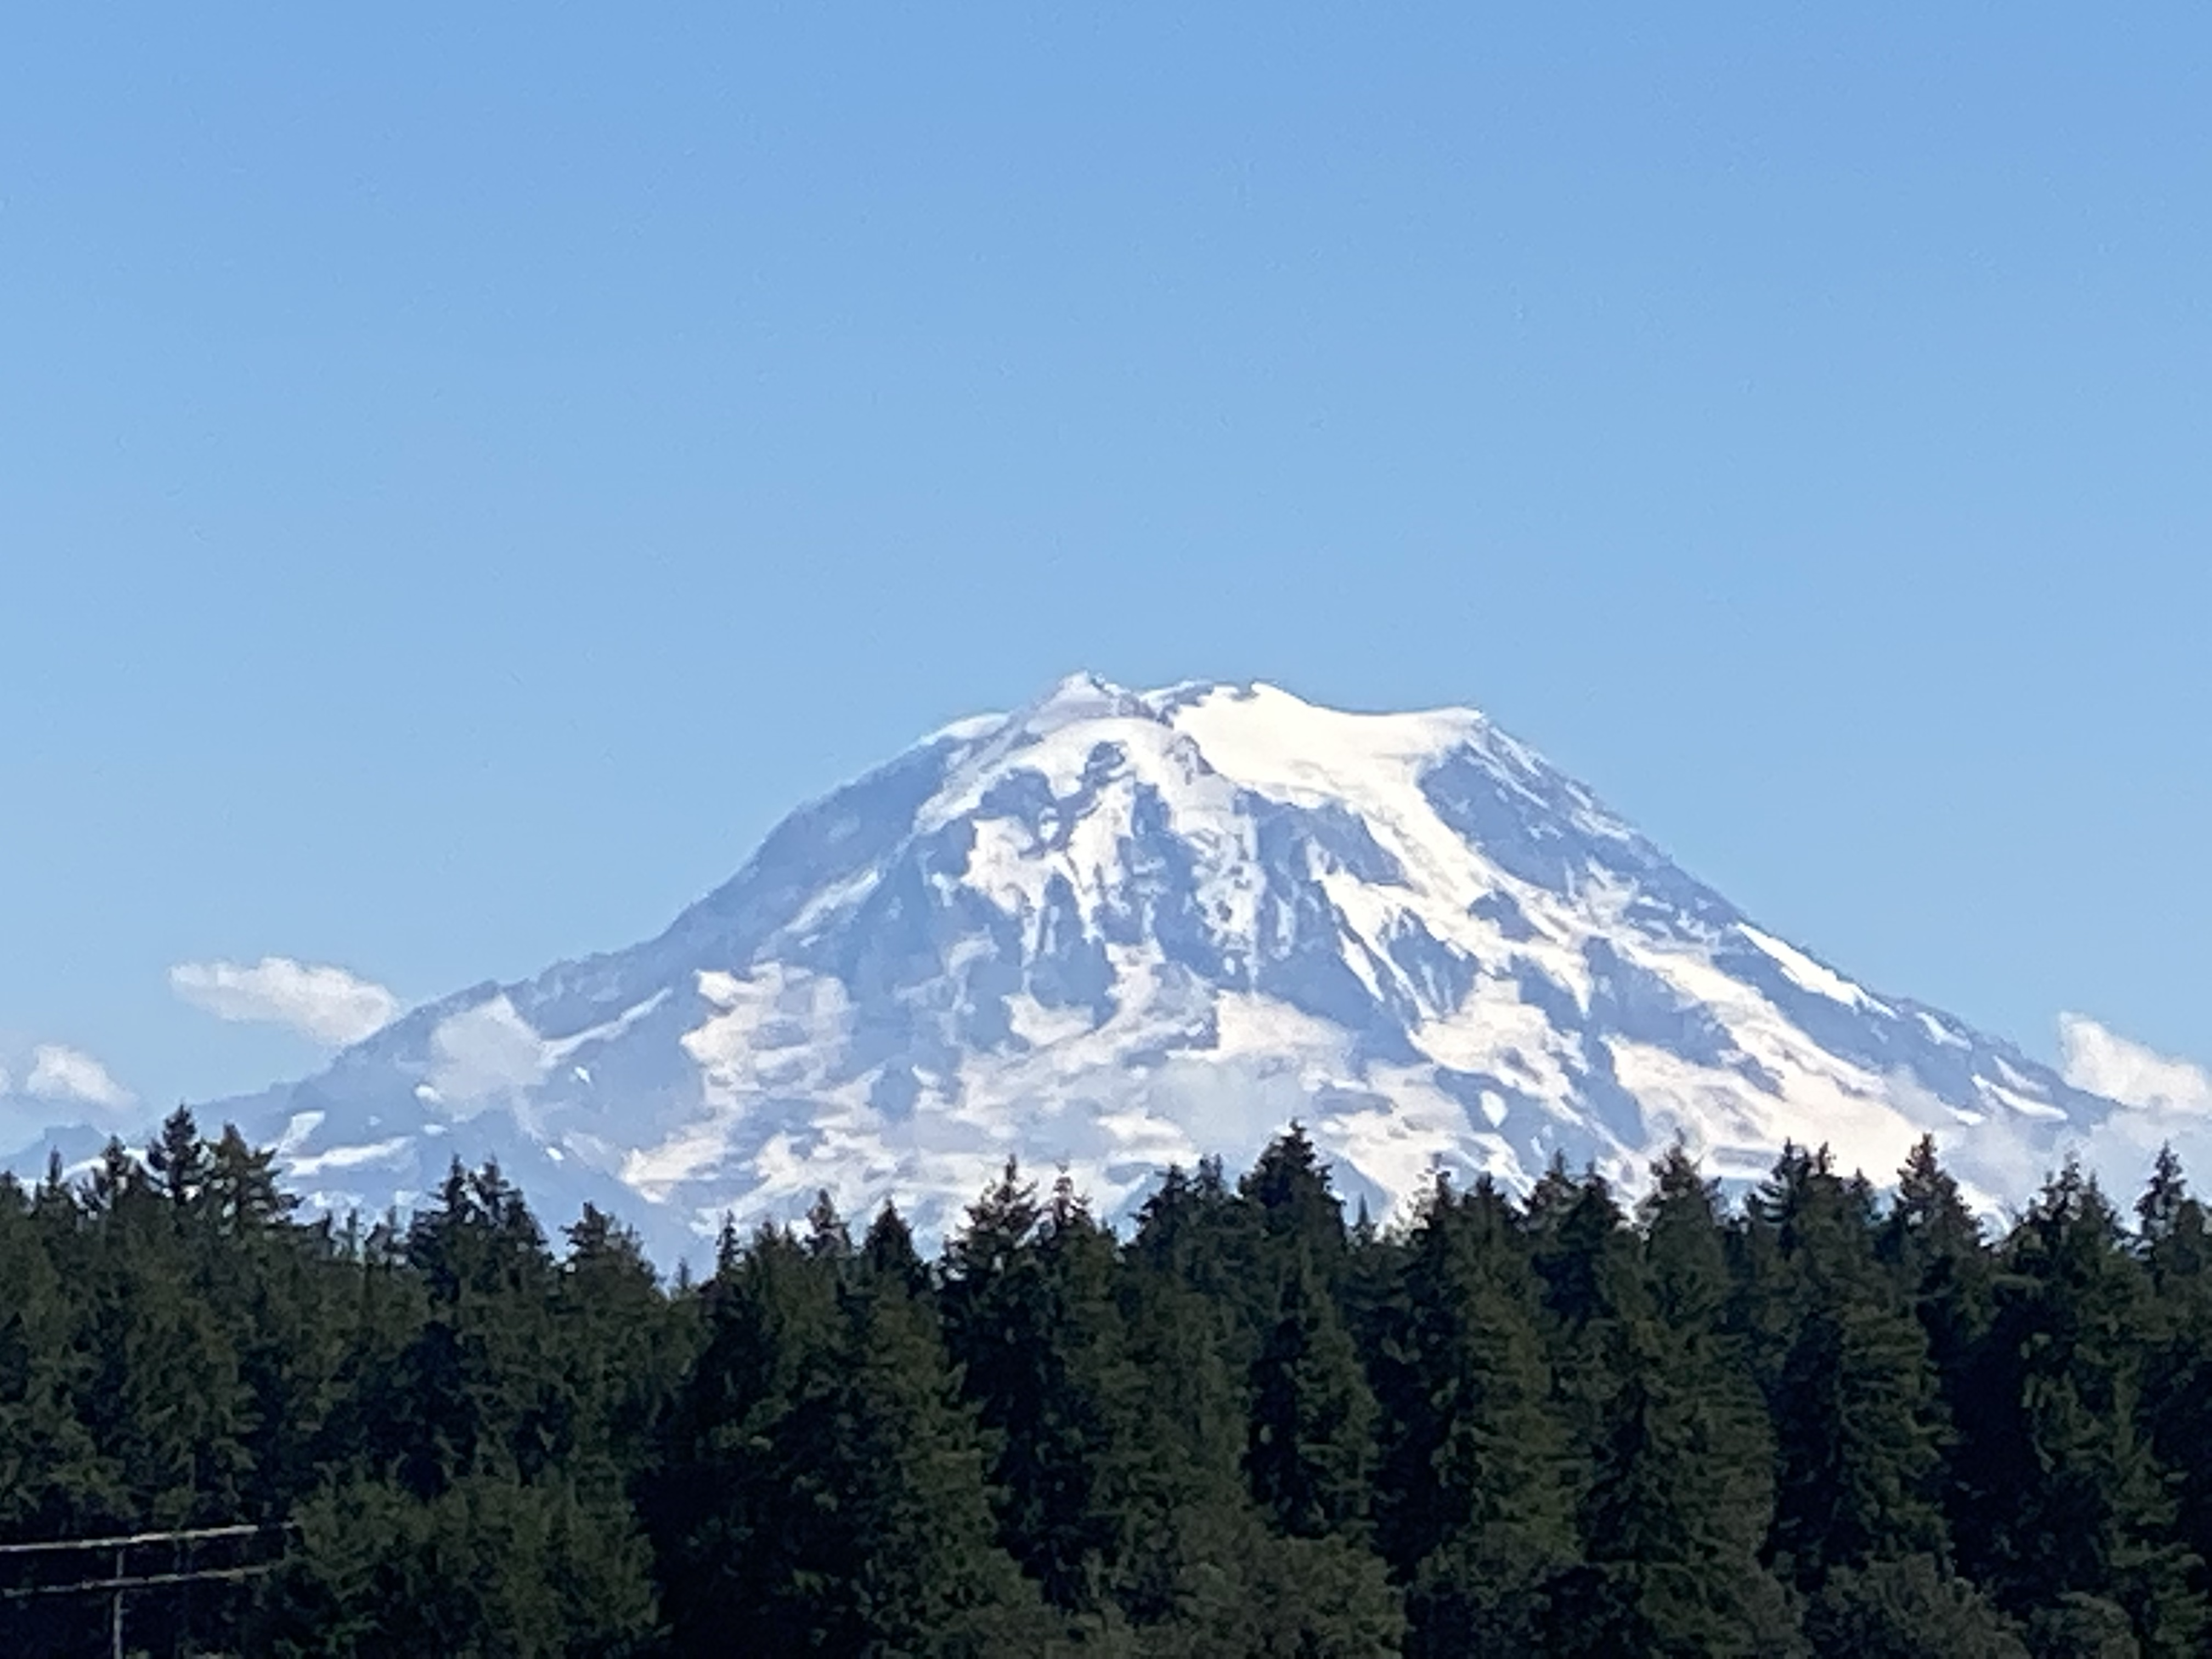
{"x":2097,"y":1059}
{"x":2160,"y":1101}
{"x":324,"y":1004}
{"x":485,"y":1054}
{"x":59,"y":1072}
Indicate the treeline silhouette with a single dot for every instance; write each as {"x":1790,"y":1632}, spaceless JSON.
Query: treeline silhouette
{"x":1819,"y":1422}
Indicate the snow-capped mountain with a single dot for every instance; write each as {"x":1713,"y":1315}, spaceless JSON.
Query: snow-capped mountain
{"x":1118,"y":930}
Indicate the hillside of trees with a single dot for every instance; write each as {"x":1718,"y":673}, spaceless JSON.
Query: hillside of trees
{"x":1818,"y":1422}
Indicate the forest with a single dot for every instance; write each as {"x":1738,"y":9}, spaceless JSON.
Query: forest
{"x":1820,"y":1418}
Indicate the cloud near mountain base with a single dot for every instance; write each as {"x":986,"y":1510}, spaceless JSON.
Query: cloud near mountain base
{"x":483,"y":1056}
{"x":59,"y":1072}
{"x":2162,"y":1101}
{"x":2097,"y":1059}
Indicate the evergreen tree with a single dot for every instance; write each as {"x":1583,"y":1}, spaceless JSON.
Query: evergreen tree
{"x":1288,"y":1193}
{"x":481,"y":1509}
{"x":2170,"y":1232}
{"x":1475,"y":1493}
{"x":2067,"y":1497}
{"x":161,"y":1394}
{"x":1850,"y":1390}
{"x":1212,"y":1575}
{"x":1910,"y":1607}
{"x":739,"y":1545}
{"x":490,"y":1568}
{"x":1032,"y":1319}
{"x":1185,"y":1342}
{"x":621,"y":1348}
{"x":53,"y":1481}
{"x":2177,"y":1253}
{"x":1310,"y":1445}
{"x":1246,"y":1592}
{"x":1681,"y":1497}
{"x":825,"y":1489}
{"x":905,"y":1466}
{"x":2078,"y":1626}
{"x":1591,"y":1278}
{"x":887,"y":1253}
{"x":179,"y":1162}
{"x":478,"y":1393}
{"x":1932,"y":1242}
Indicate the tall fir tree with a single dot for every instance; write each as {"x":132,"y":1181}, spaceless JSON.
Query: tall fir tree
{"x":1679,"y":1500}
{"x":1032,"y":1319}
{"x":1850,"y":1389}
{"x":1475,"y":1492}
{"x":2065,"y":1495}
{"x":740,"y":1544}
{"x":1309,"y":1445}
{"x":905,"y":1466}
{"x":2175,"y":1243}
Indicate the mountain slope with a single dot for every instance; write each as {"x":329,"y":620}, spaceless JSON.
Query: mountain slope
{"x":1116,"y":930}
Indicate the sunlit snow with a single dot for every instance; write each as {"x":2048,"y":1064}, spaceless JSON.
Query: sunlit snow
{"x":1118,"y":929}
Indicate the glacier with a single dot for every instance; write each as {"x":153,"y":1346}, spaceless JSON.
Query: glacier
{"x":1116,"y":930}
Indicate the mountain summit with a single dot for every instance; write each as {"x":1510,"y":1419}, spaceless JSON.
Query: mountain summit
{"x":1117,"y":930}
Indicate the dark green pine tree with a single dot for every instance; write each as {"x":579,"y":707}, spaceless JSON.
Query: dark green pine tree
{"x":1309,"y":1445}
{"x":2067,"y":1497}
{"x":490,"y":1568}
{"x":1212,"y":1576}
{"x":1932,"y":1243}
{"x":483,"y":1513}
{"x":238,"y":1190}
{"x":53,"y":1481}
{"x":45,"y":1453}
{"x":162,"y":1395}
{"x":888,"y":1254}
{"x":1194,"y":1231}
{"x":1287,"y":1192}
{"x":903,"y":1465}
{"x":378,"y":1310}
{"x":279,"y":1287}
{"x":1850,"y":1390}
{"x":1912,"y":1608}
{"x":2176,"y":1246}
{"x":1186,"y":1341}
{"x":1475,"y":1494}
{"x":741,"y":1545}
{"x":1032,"y":1319}
{"x":824,"y":1488}
{"x":621,"y":1347}
{"x":1189,"y":1288}
{"x":177,"y":1162}
{"x":479,"y":1394}
{"x":1681,"y":1496}
{"x":2170,"y":1226}
{"x":1589,"y":1273}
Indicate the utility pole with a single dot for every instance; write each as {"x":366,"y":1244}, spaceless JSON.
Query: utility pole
{"x":115,"y":1607}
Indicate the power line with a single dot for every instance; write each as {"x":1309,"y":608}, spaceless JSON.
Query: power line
{"x":183,"y":1538}
{"x":146,"y":1581}
{"x":132,"y":1540}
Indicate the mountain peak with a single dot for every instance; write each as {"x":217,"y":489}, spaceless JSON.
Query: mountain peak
{"x":1119,"y":929}
{"x":1085,"y":697}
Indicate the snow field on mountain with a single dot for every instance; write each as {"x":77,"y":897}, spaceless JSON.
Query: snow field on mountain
{"x":1117,"y":930}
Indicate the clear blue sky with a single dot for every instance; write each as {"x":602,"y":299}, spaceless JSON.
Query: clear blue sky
{"x":466,"y":471}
